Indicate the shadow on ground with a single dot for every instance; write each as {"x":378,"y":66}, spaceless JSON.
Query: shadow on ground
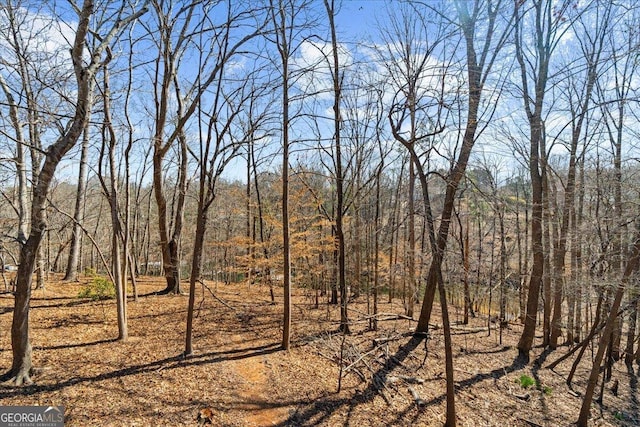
{"x":7,"y":391}
{"x":318,"y":411}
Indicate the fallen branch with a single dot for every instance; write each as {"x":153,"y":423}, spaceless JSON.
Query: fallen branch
{"x":362,"y":356}
{"x":389,"y":316}
{"x":573,"y":393}
{"x":204,"y":285}
{"x":524,"y":397}
{"x":468,"y":329}
{"x":384,"y":340}
{"x":408,"y":380}
{"x":466,"y":372}
{"x":380,"y":386}
{"x":420,"y":402}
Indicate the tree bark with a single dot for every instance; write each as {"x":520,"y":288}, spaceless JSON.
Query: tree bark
{"x":533,"y":104}
{"x":119,"y":273}
{"x":280,"y":17}
{"x":71,"y":273}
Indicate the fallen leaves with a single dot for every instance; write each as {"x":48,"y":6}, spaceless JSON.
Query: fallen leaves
{"x":239,"y":377}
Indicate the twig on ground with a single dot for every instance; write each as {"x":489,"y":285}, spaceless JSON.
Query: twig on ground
{"x":220,"y":300}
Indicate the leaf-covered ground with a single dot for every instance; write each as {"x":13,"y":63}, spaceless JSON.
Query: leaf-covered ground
{"x":239,"y":373}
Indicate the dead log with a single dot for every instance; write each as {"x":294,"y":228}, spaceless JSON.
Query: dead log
{"x":573,"y":393}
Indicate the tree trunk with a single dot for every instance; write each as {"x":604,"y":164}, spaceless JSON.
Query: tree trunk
{"x":376,"y":248}
{"x":573,"y":281}
{"x":578,"y":257}
{"x":537,"y":268}
{"x":468,"y":309}
{"x":170,"y":246}
{"x":475,"y":71}
{"x":85,"y":68}
{"x":503,"y":269}
{"x":20,"y":372}
{"x":534,"y":106}
{"x":118,"y":272}
{"x":522,"y":256}
{"x":393,"y":245}
{"x":547,"y":242}
{"x":196,"y":268}
{"x":340,"y":240}
{"x":280,"y":16}
{"x":71,"y":273}
{"x":631,"y":331}
{"x":265,"y":250}
{"x":411,"y":252}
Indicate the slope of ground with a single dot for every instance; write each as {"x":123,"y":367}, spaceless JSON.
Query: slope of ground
{"x":239,"y":373}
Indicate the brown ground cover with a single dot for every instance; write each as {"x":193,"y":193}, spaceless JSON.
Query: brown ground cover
{"x":239,"y":373}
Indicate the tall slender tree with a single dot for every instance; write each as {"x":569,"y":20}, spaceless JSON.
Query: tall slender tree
{"x":286,"y":17}
{"x":75,"y":247}
{"x":592,"y":30}
{"x":220,"y":137}
{"x":547,"y":24}
{"x":337,"y":79}
{"x":483,"y":45}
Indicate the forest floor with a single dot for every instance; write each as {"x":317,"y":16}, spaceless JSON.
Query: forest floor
{"x":239,"y":376}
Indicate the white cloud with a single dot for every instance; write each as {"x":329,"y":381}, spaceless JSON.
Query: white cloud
{"x":315,"y":61}
{"x":44,"y":36}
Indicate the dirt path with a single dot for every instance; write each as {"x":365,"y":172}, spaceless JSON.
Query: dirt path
{"x":253,"y":392}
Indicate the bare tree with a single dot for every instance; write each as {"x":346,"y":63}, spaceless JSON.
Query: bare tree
{"x":75,"y":247}
{"x":291,"y":21}
{"x":112,"y":193}
{"x":409,"y":101}
{"x":605,"y":337}
{"x":284,"y":16}
{"x":85,"y":68}
{"x":177,"y":88}
{"x":591,"y":37}
{"x":480,"y":61}
{"x":337,"y":79}
{"x":174,"y":30}
{"x":548,"y":27}
{"x":614,"y":102}
{"x":231,"y":95}
{"x":410,"y":69}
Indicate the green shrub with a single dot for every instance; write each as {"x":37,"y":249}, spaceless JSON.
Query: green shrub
{"x":99,"y":288}
{"x":526,"y":381}
{"x":547,"y":390}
